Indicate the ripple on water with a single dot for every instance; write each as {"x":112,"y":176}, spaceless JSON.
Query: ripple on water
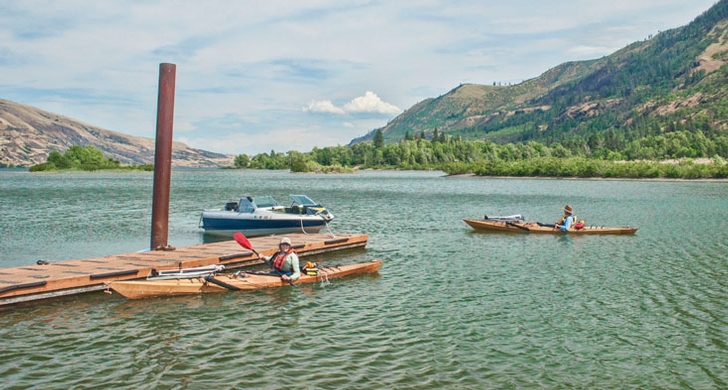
{"x":450,"y":308}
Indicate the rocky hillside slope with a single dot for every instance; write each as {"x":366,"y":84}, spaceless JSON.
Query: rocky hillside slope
{"x":29,"y":134}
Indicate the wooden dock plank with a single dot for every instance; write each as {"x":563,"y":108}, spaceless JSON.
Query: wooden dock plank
{"x":33,"y":282}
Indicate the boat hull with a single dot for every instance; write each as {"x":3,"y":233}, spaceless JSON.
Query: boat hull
{"x":533,"y":227}
{"x":137,"y":289}
{"x":263,"y":215}
{"x":226,"y":223}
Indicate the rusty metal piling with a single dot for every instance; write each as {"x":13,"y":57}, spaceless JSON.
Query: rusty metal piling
{"x":163,"y":157}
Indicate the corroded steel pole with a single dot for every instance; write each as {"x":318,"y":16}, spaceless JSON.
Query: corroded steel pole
{"x":163,"y":157}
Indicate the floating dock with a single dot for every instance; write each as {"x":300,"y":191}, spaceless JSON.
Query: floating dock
{"x":55,"y":279}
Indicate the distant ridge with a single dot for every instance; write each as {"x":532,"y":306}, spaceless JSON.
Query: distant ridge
{"x":28,"y":134}
{"x":674,"y":80}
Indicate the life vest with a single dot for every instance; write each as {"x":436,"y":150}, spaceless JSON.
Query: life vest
{"x":561,"y":221}
{"x":279,"y":259}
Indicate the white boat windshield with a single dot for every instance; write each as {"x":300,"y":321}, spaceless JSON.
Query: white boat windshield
{"x":265,"y":201}
{"x":303,"y":200}
{"x":248,"y":204}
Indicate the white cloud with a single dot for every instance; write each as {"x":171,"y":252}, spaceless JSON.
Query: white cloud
{"x":324,"y":106}
{"x":371,"y":103}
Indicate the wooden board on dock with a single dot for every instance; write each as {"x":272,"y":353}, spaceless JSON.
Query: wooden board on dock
{"x":36,"y":281}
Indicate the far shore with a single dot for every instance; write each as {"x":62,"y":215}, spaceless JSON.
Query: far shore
{"x":590,"y":178}
{"x":356,"y":169}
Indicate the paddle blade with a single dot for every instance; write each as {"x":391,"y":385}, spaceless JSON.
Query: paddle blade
{"x":242,"y":240}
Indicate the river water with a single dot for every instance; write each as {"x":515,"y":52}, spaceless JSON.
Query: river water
{"x":451,"y":308}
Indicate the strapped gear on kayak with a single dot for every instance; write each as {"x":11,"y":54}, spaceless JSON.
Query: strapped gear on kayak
{"x":310,"y":268}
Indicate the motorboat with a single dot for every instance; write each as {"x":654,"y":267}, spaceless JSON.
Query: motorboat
{"x":263,"y":215}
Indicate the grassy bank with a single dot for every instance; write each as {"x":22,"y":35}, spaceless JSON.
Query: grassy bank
{"x":587,"y":168}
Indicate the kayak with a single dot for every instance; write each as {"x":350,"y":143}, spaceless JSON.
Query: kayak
{"x":535,"y":227}
{"x":136,"y":289}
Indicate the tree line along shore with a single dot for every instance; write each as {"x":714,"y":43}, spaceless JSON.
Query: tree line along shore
{"x":456,"y":157}
{"x":676,"y":156}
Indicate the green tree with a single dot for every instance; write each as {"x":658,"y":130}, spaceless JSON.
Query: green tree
{"x":58,"y":160}
{"x":84,"y":158}
{"x":88,"y":155}
{"x":242,"y":161}
{"x":378,"y":139}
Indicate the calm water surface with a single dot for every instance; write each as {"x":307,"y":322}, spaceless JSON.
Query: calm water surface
{"x":451,"y":308}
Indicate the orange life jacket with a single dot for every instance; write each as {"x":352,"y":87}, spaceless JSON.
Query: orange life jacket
{"x":280,"y":258}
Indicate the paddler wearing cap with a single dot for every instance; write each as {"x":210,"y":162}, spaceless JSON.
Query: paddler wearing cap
{"x":285,"y":261}
{"x":567,"y":221}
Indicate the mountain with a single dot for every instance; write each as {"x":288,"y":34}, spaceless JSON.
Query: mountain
{"x":29,"y":134}
{"x":676,"y":80}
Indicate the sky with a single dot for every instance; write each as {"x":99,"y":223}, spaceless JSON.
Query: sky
{"x":257,"y":76}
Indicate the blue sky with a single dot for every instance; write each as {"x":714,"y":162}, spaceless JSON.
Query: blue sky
{"x":256,"y":76}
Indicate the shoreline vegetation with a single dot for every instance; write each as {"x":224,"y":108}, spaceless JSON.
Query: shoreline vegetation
{"x":661,"y":160}
{"x":451,"y":156}
{"x":578,"y":167}
{"x":84,"y":159}
{"x":573,"y":168}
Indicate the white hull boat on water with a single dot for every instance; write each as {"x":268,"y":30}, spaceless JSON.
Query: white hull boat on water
{"x":263,"y":215}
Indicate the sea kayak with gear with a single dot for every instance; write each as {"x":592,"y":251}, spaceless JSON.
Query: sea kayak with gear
{"x":136,"y":289}
{"x":537,"y":227}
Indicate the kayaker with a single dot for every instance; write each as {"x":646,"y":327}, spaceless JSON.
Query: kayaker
{"x":285,"y":261}
{"x":567,"y":220}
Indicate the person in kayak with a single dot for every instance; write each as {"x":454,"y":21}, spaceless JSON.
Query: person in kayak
{"x":285,"y":261}
{"x":567,"y":221}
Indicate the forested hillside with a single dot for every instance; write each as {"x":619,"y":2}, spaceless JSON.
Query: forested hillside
{"x":663,"y":97}
{"x":647,"y":111}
